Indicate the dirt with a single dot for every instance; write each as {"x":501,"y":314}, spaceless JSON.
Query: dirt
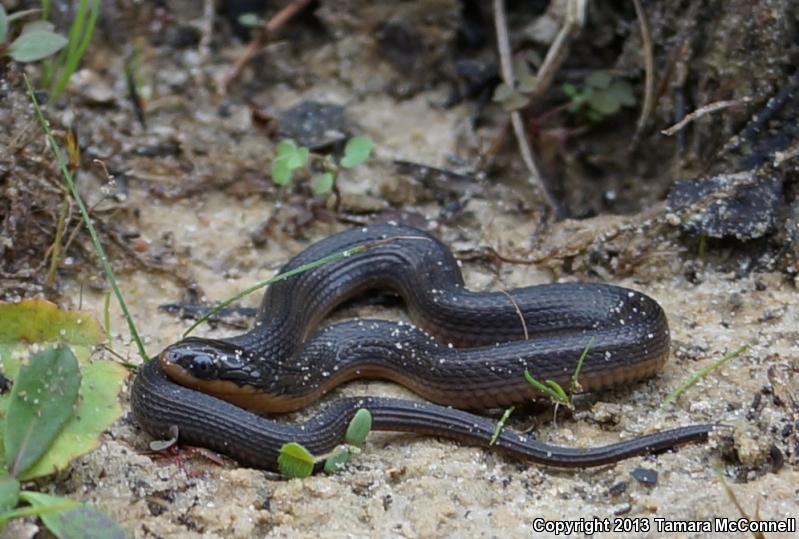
{"x":196,"y":217}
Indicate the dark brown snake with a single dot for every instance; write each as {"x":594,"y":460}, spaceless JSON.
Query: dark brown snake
{"x":203,"y":385}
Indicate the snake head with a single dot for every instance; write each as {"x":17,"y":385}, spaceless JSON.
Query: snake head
{"x":207,"y":360}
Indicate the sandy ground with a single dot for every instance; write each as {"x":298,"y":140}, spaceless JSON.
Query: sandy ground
{"x":415,"y":487}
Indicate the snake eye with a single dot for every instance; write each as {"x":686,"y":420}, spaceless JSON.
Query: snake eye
{"x":202,"y":366}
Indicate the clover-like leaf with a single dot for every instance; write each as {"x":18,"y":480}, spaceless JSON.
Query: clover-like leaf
{"x":502,"y":92}
{"x":337,"y":459}
{"x":357,"y":151}
{"x":42,"y":400}
{"x":516,"y":101}
{"x":623,"y":92}
{"x":359,"y":427}
{"x":527,"y":84}
{"x":295,"y":461}
{"x":322,"y":183}
{"x":288,"y":158}
{"x":604,"y":102}
{"x":80,"y":521}
{"x":599,"y":79}
{"x":35,"y":45}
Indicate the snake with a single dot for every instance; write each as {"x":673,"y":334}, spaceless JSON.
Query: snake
{"x":463,"y":350}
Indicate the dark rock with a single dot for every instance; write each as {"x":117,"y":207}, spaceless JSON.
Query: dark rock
{"x":313,"y":124}
{"x":618,"y":488}
{"x":645,"y":476}
{"x":744,"y":205}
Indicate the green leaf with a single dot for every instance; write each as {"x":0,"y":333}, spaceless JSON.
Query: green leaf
{"x":42,"y":321}
{"x":623,"y":92}
{"x":288,"y":158}
{"x":604,"y":102}
{"x":3,"y":24}
{"x":337,"y":459}
{"x":80,"y":522}
{"x":281,"y":171}
{"x":281,"y":165}
{"x":42,"y":400}
{"x":39,"y":24}
{"x":521,"y":68}
{"x":98,"y":408}
{"x":502,"y":92}
{"x":285,"y":147}
{"x":35,"y":45}
{"x":295,"y":461}
{"x":556,"y":387}
{"x":599,"y":79}
{"x":360,"y":425}
{"x":38,"y":320}
{"x":570,"y":89}
{"x":546,"y":389}
{"x":322,"y":183}
{"x":501,"y":424}
{"x":357,"y":151}
{"x":527,"y":84}
{"x":9,"y":494}
{"x":249,"y":19}
{"x":34,"y":511}
{"x":516,"y":101}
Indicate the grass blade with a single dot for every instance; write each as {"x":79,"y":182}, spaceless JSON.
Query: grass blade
{"x":329,"y":259}
{"x":674,"y":395}
{"x":98,"y":246}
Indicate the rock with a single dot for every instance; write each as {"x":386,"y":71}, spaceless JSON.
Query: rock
{"x":752,"y":447}
{"x":744,"y":205}
{"x":94,"y":89}
{"x":313,"y":124}
{"x":645,"y":476}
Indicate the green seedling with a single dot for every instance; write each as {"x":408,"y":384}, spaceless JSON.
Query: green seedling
{"x":296,"y":461}
{"x":324,"y":169}
{"x":602,"y":95}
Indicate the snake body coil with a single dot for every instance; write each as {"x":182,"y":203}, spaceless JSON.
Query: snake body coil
{"x":484,"y":342}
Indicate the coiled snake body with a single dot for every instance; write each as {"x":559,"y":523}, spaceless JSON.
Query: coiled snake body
{"x":484,"y":341}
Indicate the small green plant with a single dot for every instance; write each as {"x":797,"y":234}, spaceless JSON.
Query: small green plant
{"x":518,"y":96}
{"x":69,"y":179}
{"x":35,"y":42}
{"x":44,"y":420}
{"x":58,"y":72}
{"x":324,"y":169}
{"x":601,"y":96}
{"x":296,"y":461}
{"x":550,"y":388}
{"x":553,"y":389}
{"x":501,"y":424}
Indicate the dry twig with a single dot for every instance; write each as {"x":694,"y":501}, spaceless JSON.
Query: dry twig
{"x":701,"y":111}
{"x":267,"y":30}
{"x":649,"y":65}
{"x":503,"y":45}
